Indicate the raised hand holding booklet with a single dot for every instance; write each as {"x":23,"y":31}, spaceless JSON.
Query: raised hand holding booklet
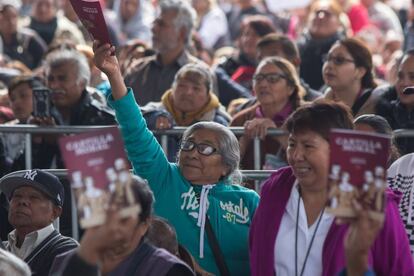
{"x":99,"y":174}
{"x":90,"y":14}
{"x":358,"y":165}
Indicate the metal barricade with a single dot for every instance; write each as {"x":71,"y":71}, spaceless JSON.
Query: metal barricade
{"x":28,"y":130}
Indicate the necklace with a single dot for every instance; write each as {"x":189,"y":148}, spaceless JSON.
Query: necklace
{"x":311,"y":242}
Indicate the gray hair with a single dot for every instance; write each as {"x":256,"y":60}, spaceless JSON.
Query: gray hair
{"x":12,"y":265}
{"x":228,"y":147}
{"x":186,"y":15}
{"x":198,"y":69}
{"x":62,"y":57}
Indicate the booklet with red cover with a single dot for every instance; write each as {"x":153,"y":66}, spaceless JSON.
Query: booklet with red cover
{"x":90,"y":14}
{"x":99,"y":173}
{"x":358,"y":166}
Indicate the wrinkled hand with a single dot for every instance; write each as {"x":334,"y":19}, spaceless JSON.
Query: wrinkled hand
{"x":162,"y":122}
{"x":97,"y":241}
{"x":362,"y":232}
{"x":258,"y":127}
{"x":103,"y":58}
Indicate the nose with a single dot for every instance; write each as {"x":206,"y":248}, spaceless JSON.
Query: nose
{"x":52,"y":83}
{"x":22,"y":200}
{"x":405,"y":82}
{"x":298,"y":154}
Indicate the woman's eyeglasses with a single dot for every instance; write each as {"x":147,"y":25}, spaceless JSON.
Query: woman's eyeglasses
{"x":337,"y":60}
{"x":271,"y":77}
{"x":203,"y":149}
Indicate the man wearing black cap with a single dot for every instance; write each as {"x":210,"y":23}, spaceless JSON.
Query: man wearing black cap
{"x":36,"y":200}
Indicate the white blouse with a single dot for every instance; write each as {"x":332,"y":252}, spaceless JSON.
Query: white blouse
{"x":284,"y":249}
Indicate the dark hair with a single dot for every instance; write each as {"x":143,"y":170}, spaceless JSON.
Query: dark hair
{"x":16,"y":81}
{"x":163,"y":235}
{"x":287,"y":45}
{"x":144,"y":196}
{"x":292,"y":77}
{"x":380,"y":125}
{"x":261,"y":24}
{"x":320,"y":116}
{"x":362,"y":58}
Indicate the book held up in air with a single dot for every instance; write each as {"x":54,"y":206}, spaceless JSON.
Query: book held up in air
{"x":99,"y":173}
{"x":358,"y":167}
{"x":91,"y":15}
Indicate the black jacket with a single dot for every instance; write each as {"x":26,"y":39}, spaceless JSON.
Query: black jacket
{"x":398,"y":117}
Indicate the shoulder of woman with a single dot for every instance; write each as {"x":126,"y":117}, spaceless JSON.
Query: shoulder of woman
{"x":243,"y":115}
{"x":282,"y":177}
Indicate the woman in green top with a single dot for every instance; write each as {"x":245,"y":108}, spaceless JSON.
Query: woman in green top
{"x":197,"y":187}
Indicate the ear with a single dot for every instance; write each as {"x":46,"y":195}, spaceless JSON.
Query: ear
{"x":182,"y":34}
{"x":56,"y":211}
{"x":225,"y":172}
{"x":143,"y":226}
{"x":361,"y":72}
{"x":296,"y":62}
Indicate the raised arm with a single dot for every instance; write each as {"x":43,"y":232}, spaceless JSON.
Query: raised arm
{"x":144,"y":152}
{"x":108,"y":64}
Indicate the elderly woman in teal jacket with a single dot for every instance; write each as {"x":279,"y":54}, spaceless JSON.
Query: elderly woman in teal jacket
{"x":198,"y":188}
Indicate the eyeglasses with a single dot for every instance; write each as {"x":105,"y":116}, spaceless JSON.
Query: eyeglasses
{"x":203,"y":149}
{"x":270,"y":78}
{"x":323,"y":13}
{"x":337,"y":60}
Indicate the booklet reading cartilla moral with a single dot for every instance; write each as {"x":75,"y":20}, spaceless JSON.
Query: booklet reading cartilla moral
{"x":358,"y":164}
{"x":99,"y":173}
{"x":90,"y":14}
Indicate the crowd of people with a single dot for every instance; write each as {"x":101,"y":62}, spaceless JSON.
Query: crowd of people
{"x":208,"y":65}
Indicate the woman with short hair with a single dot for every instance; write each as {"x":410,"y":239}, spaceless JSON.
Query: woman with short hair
{"x":292,"y":235}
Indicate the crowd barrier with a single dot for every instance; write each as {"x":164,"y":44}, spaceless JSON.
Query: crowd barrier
{"x":29,"y":130}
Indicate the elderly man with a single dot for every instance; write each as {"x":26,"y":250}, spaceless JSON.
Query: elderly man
{"x":171,"y":32}
{"x":36,"y":200}
{"x":190,"y":100}
{"x":67,"y":77}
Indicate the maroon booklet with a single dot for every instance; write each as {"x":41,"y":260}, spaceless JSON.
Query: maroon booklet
{"x":99,"y":173}
{"x":90,"y":14}
{"x":358,"y":166}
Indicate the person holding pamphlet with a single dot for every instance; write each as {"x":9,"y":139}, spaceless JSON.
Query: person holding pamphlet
{"x":302,"y":237}
{"x":119,"y":246}
{"x":211,"y":216}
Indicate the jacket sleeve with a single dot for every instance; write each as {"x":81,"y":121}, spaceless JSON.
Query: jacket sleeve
{"x":144,"y":152}
{"x":391,"y":249}
{"x":73,"y":265}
